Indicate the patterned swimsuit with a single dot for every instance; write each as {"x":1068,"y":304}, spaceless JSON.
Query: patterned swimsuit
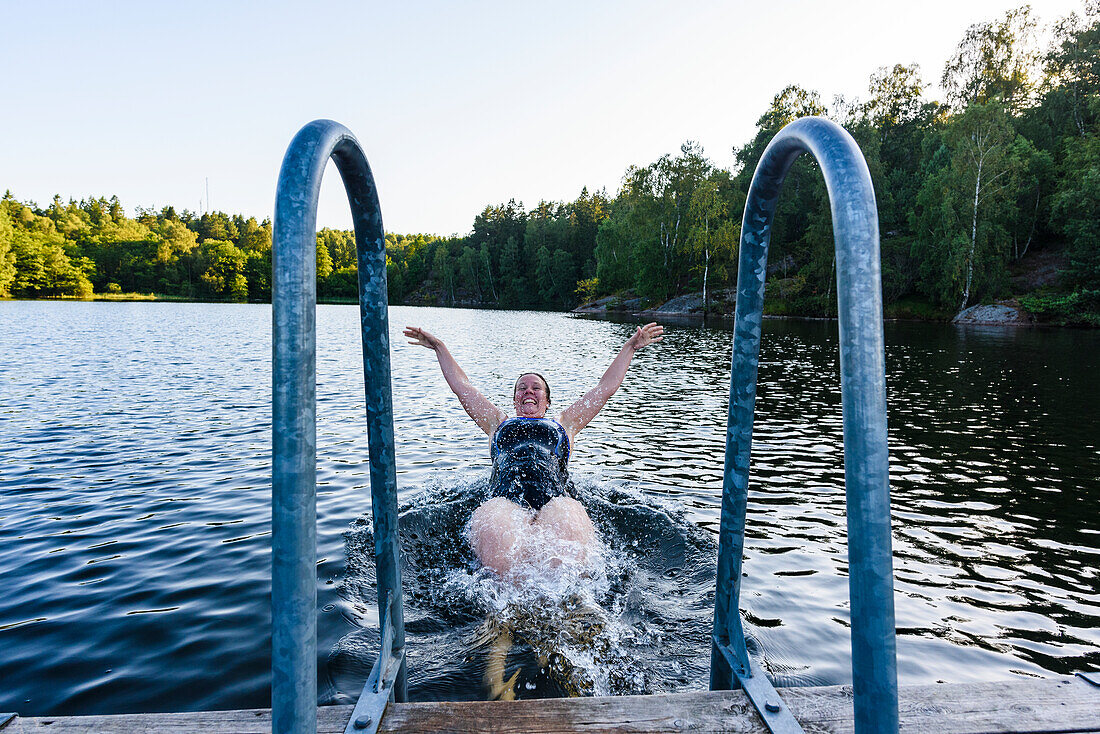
{"x":529,"y":461}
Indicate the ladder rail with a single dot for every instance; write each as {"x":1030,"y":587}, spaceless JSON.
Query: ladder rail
{"x":863,"y":391}
{"x":294,"y":407}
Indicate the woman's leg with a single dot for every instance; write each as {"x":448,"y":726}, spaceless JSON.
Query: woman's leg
{"x":500,"y":689}
{"x":565,"y":519}
{"x":498,"y":533}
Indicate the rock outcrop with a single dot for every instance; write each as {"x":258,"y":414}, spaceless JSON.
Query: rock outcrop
{"x":680,"y":305}
{"x":690,"y":304}
{"x":1004,"y":312}
{"x":611,"y":304}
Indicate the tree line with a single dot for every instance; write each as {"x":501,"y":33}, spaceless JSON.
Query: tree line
{"x":1007,"y":165}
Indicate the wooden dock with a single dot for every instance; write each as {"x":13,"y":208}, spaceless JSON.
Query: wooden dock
{"x":1059,"y":705}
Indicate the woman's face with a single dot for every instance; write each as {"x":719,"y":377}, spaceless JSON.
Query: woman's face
{"x":530,"y":398}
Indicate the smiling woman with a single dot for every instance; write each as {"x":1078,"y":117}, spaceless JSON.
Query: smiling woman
{"x":532,"y":516}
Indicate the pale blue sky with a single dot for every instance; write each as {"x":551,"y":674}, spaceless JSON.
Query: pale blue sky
{"x":457,"y":104}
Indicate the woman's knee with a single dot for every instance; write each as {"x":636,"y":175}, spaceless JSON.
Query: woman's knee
{"x":496,"y":533}
{"x":568,"y":518}
{"x":495,"y":510}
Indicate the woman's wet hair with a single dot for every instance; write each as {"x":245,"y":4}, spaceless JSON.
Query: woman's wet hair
{"x":536,"y":374}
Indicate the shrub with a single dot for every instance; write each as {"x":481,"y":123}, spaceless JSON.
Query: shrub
{"x":1079,"y":308}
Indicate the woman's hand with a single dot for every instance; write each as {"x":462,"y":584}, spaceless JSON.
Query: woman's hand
{"x":477,"y":406}
{"x":416,"y":335}
{"x":646,"y":335}
{"x":579,"y":414}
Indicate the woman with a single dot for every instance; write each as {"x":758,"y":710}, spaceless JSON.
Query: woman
{"x":532,"y":515}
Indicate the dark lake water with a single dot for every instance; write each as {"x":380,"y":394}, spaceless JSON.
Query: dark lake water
{"x":135,"y":503}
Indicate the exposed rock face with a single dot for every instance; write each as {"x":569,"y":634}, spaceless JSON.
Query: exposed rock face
{"x":721,"y":302}
{"x":1039,"y":269}
{"x":1005,"y":312}
{"x":610,"y":304}
{"x":690,"y":303}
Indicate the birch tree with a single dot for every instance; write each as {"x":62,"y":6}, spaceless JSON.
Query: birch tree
{"x":995,"y":60}
{"x":1072,"y":64}
{"x":967,"y":204}
{"x":658,"y":198}
{"x":707,"y":210}
{"x":982,"y":137}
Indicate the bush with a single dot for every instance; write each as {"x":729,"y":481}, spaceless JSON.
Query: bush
{"x":587,"y":289}
{"x":1079,"y":308}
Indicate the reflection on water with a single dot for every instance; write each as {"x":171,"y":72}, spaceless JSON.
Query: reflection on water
{"x":135,"y":504}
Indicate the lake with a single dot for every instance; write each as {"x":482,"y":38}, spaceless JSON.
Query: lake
{"x":135,"y":503}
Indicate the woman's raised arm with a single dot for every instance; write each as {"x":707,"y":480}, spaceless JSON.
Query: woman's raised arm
{"x":580,"y":413}
{"x":477,"y":406}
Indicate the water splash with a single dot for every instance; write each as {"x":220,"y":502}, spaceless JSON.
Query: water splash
{"x":633,"y":620}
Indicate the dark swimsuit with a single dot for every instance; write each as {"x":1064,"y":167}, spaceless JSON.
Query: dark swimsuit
{"x":529,"y":461}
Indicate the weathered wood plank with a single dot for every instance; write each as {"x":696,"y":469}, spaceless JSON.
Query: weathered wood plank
{"x":330,"y":720}
{"x":1058,"y":705}
{"x":1025,"y":706}
{"x":1063,"y":705}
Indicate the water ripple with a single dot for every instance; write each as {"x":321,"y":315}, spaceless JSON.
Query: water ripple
{"x":135,"y":496}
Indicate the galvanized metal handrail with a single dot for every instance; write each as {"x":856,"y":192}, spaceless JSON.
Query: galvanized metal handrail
{"x":863,"y":392}
{"x":294,"y":404}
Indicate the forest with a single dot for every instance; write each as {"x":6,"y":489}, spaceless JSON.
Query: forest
{"x":990,"y":193}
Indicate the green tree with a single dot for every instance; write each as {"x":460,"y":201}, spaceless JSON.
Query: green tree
{"x":224,"y":272}
{"x":215,"y":226}
{"x":966,"y":204}
{"x":257,"y":273}
{"x":584,"y":216}
{"x":707,"y":210}
{"x":175,"y":261}
{"x":803,"y":194}
{"x":344,"y":283}
{"x":563,"y":278}
{"x":899,"y":119}
{"x":615,"y":251}
{"x":486,"y":266}
{"x":544,"y":275}
{"x":789,"y":104}
{"x":1072,"y":68}
{"x":395,"y":280}
{"x":340,"y":245}
{"x":896,"y":98}
{"x":994,"y":60}
{"x":495,"y":224}
{"x":43,"y":268}
{"x":547,"y":227}
{"x":1076,"y":211}
{"x":253,"y":236}
{"x":7,"y":256}
{"x":469,"y":268}
{"x":511,"y":274}
{"x":443,"y":269}
{"x":1036,"y":184}
{"x":324,"y":260}
{"x":658,"y":200}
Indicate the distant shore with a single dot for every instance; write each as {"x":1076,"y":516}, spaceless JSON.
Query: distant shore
{"x":687,"y":308}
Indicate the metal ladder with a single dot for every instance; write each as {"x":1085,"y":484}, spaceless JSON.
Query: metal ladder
{"x":862,"y":362}
{"x":294,"y":434}
{"x":863,"y":395}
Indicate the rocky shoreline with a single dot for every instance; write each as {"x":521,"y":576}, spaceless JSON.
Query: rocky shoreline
{"x":691,"y":304}
{"x":722,"y":303}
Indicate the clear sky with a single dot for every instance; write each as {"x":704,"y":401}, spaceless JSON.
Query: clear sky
{"x":457,"y":104}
